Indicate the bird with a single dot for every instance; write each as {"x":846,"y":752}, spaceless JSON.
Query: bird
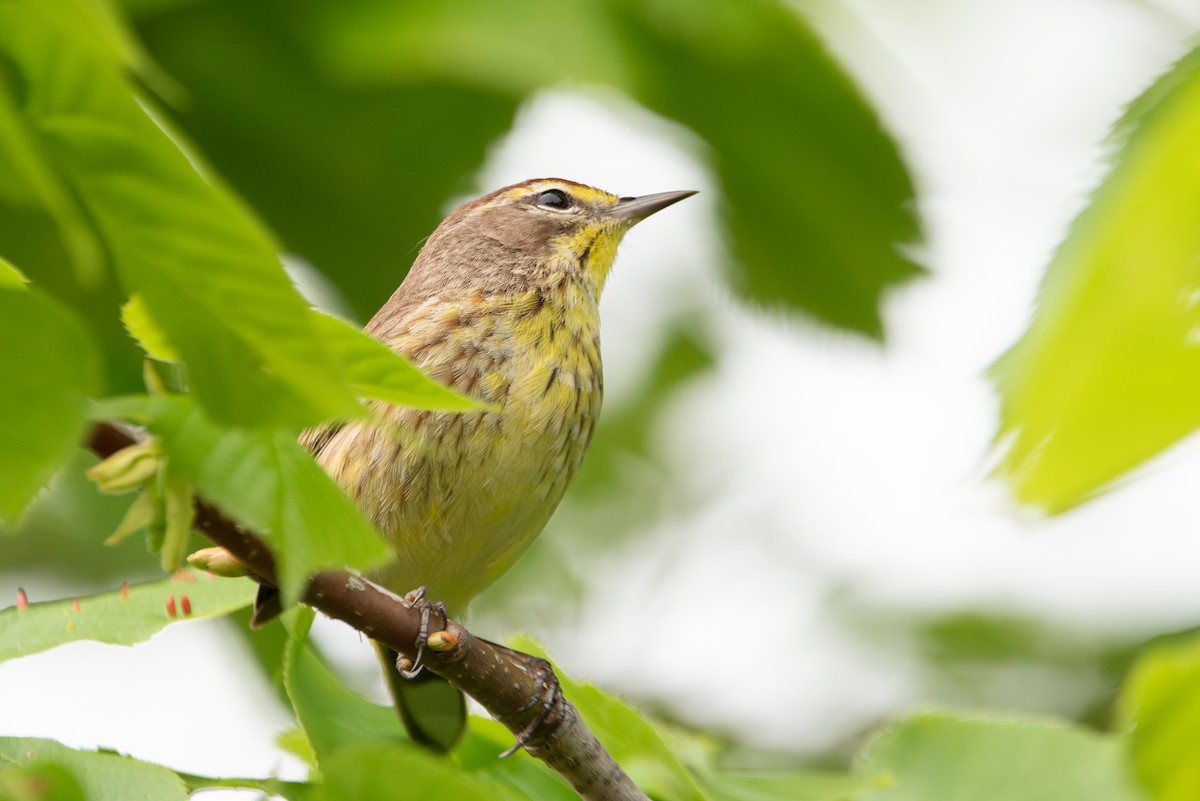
{"x":501,"y":305}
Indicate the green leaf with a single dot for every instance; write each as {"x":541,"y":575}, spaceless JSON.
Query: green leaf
{"x":11,"y":277}
{"x":26,"y":177}
{"x":265,"y":480}
{"x":332,"y":717}
{"x":520,"y":775}
{"x":471,"y":42}
{"x":47,"y":367}
{"x":96,"y":27}
{"x":820,"y":205}
{"x":797,"y":787}
{"x":41,"y":781}
{"x":295,"y":741}
{"x":207,"y":274}
{"x":29,"y":236}
{"x":119,"y":618}
{"x":817,"y":209}
{"x":1160,"y":703}
{"x":376,"y":371}
{"x":631,"y":739}
{"x":938,"y":757}
{"x":270,"y":788}
{"x":102,"y":776}
{"x":350,"y":176}
{"x":1108,"y":373}
{"x":372,"y":369}
{"x":369,"y":771}
{"x":147,"y":333}
{"x":63,"y":531}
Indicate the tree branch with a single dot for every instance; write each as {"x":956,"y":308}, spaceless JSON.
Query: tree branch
{"x":519,"y":690}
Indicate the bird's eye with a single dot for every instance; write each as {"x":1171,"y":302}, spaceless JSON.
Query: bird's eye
{"x":554,"y":199}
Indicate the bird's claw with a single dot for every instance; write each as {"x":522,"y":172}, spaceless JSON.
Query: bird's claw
{"x":549,"y":696}
{"x":410,"y":669}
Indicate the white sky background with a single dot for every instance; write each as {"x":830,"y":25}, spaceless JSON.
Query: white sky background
{"x":874,"y":490}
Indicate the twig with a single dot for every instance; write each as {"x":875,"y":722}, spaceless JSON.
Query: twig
{"x":519,"y":690}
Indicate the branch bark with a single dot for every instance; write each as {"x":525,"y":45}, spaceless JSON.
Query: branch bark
{"x":519,"y":690}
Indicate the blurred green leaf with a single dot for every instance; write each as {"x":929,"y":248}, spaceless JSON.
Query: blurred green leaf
{"x":376,"y":371}
{"x":1160,"y":704}
{"x":940,"y":757}
{"x":42,"y":224}
{"x":253,"y":354}
{"x":61,"y":535}
{"x":270,"y":788}
{"x":372,"y":369}
{"x":265,"y":480}
{"x":521,"y":775}
{"x":95,"y":25}
{"x":136,"y":7}
{"x":1108,"y":372}
{"x":370,"y":771}
{"x":28,"y":236}
{"x":351,"y":177}
{"x":332,"y":717}
{"x":995,"y":657}
{"x":27,"y":177}
{"x":977,"y":636}
{"x":41,"y":781}
{"x":146,"y":332}
{"x":630,"y":738}
{"x":47,"y":367}
{"x":119,"y":618}
{"x":102,"y":776}
{"x":799,"y":787}
{"x":817,"y":199}
{"x":473,"y":42}
{"x":295,"y":741}
{"x":11,"y":277}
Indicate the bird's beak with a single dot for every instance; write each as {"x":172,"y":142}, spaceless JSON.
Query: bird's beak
{"x":636,"y":209}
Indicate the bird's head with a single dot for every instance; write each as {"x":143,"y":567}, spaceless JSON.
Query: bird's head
{"x":540,"y":228}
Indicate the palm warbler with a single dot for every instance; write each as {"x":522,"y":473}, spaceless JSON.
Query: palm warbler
{"x":501,"y":305}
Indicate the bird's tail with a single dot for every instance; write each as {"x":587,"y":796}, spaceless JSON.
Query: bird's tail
{"x":433,"y":712}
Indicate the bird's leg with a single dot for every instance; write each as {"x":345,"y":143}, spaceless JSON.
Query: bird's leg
{"x":410,"y":669}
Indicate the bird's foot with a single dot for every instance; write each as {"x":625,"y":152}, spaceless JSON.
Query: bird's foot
{"x":411,"y":668}
{"x":548,"y":698}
